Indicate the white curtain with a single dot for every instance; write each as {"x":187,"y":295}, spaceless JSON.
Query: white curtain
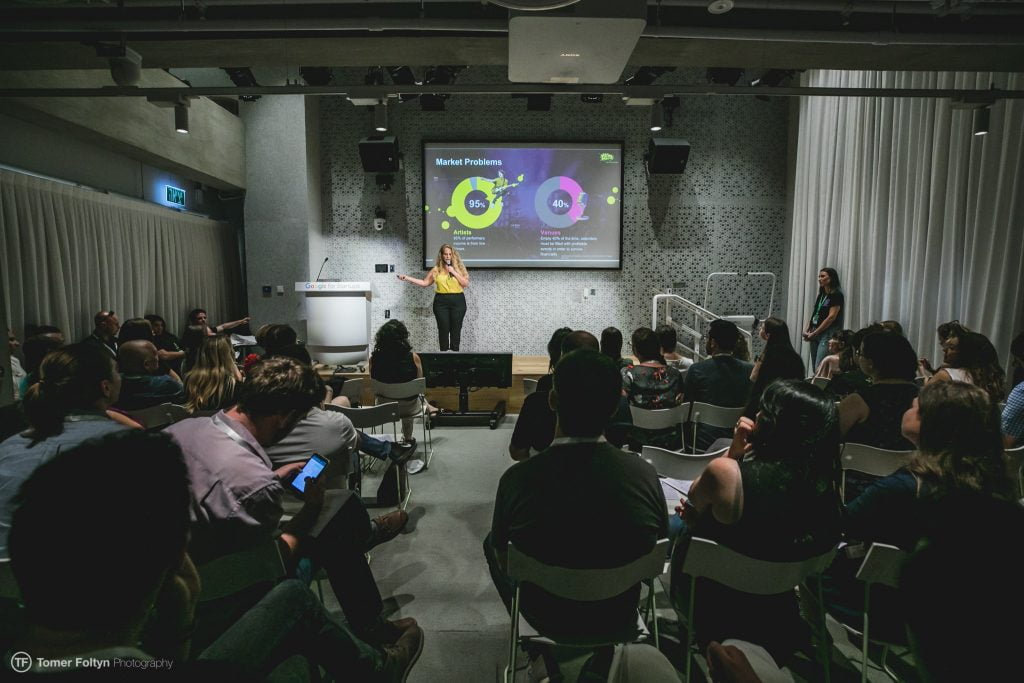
{"x":923,"y":220}
{"x":67,"y":252}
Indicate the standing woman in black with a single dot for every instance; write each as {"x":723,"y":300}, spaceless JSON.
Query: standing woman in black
{"x":826,"y":314}
{"x":450,"y":278}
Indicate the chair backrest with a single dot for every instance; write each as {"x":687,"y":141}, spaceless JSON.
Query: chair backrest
{"x":413,"y":387}
{"x":158,"y":417}
{"x":370,"y":416}
{"x":529,"y":386}
{"x":1015,"y":462}
{"x":231,"y":574}
{"x":714,"y":416}
{"x":878,"y":462}
{"x":8,"y":586}
{"x":739,"y":572}
{"x":882,"y":565}
{"x":586,"y":585}
{"x":679,"y":465}
{"x":352,"y":388}
{"x":660,"y":418}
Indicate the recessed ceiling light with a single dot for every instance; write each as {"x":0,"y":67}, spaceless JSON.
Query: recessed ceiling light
{"x":720,"y":6}
{"x":570,"y":54}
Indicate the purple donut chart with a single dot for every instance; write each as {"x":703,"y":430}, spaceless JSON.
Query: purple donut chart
{"x":560,"y":202}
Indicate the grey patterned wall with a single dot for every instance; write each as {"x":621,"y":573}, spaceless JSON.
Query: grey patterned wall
{"x":725,"y":213}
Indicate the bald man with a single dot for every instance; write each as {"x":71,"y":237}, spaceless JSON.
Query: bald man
{"x":137,"y":360}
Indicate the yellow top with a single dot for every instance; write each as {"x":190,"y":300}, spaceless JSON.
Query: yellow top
{"x":445,"y":283}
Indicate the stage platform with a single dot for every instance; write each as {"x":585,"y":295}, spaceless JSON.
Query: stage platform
{"x":523,"y":367}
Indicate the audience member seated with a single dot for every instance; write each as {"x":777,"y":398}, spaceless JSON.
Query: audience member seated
{"x":50,"y":331}
{"x":779,"y":360}
{"x":17,"y":371}
{"x":652,"y":385}
{"x":34,"y":350}
{"x":1013,"y":413}
{"x":954,"y":427}
{"x":535,"y":426}
{"x":140,"y":388}
{"x":971,"y":358}
{"x":214,"y":380}
{"x":104,"y":334}
{"x":539,"y":502}
{"x":64,"y":408}
{"x":191,"y":340}
{"x":945,"y":332}
{"x":282,"y":340}
{"x":829,"y":365}
{"x":197,"y":316}
{"x":668,"y":341}
{"x":237,"y":497}
{"x":331,"y":434}
{"x":893,"y":326}
{"x":851,"y":378}
{"x":781,"y":505}
{"x":721,"y":380}
{"x":970,"y":559}
{"x":394,"y":362}
{"x":873,"y":415}
{"x":611,"y":345}
{"x":135,"y":328}
{"x":123,"y":605}
{"x":167,"y":345}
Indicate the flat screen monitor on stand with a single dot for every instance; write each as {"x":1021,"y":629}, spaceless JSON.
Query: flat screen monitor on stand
{"x":469,"y":371}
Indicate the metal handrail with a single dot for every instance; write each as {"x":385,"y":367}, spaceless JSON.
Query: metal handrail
{"x":698,"y":311}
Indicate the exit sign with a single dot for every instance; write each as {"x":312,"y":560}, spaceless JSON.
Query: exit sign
{"x":176,"y":196}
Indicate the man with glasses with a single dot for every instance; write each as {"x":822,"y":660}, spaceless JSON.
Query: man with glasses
{"x":104,"y":334}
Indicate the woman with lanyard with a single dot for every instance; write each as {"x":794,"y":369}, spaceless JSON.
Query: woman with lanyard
{"x":827,"y":314}
{"x":450,"y":277}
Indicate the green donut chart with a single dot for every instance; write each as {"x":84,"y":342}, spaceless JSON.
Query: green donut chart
{"x":460,"y":212}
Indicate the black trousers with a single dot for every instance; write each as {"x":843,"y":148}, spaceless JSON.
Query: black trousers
{"x":449,"y":309}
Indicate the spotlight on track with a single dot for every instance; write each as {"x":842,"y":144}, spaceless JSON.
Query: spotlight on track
{"x":657,"y":117}
{"x":981,"y":120}
{"x":181,"y":117}
{"x":380,"y":116}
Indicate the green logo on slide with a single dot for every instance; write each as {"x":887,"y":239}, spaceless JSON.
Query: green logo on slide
{"x":606,"y":156}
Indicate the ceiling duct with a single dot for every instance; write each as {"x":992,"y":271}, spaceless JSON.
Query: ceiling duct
{"x":588,"y":42}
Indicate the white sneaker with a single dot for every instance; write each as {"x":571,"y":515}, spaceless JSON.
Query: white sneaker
{"x":414,"y":466}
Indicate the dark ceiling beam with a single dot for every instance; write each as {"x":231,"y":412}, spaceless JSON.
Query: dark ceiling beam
{"x":382,"y":91}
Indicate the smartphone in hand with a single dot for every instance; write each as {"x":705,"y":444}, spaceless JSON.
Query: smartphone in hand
{"x":313,"y":469}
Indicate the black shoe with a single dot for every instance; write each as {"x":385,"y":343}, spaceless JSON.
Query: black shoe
{"x":400,"y":657}
{"x":401,"y":452}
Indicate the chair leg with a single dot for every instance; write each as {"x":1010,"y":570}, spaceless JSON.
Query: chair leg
{"x":510,"y":670}
{"x":690,"y":629}
{"x":652,"y":611}
{"x":864,"y":636}
{"x":885,"y":665}
{"x":826,"y":650}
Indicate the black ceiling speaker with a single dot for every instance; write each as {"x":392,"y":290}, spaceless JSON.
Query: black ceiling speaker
{"x":379,"y":154}
{"x":667,"y":155}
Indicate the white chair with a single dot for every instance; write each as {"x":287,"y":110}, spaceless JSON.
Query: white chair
{"x":660,"y":418}
{"x":529,"y":386}
{"x":418,"y":388}
{"x":712,"y":416}
{"x":881,"y":566}
{"x":705,"y":558}
{"x":677,"y":465}
{"x":372,"y":417}
{"x":352,"y":389}
{"x":1015,"y":461}
{"x":584,"y":585}
{"x":158,"y":417}
{"x":878,"y":462}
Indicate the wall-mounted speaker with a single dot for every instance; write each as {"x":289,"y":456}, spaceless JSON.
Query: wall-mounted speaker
{"x":667,"y":155}
{"x":379,"y":154}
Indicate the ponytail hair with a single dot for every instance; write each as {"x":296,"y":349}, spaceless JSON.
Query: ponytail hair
{"x":69,"y":380}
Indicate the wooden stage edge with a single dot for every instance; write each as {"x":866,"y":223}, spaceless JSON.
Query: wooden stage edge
{"x":523,"y":367}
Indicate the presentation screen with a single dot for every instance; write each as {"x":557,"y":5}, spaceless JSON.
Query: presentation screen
{"x":524,"y":204}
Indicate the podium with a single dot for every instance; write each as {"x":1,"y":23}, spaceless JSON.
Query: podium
{"x":337,"y":321}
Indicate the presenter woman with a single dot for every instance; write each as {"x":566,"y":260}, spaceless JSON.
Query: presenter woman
{"x":826,"y":315}
{"x":450,"y":278}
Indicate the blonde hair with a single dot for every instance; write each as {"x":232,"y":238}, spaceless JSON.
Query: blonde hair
{"x":211,"y":382}
{"x":456,"y":261}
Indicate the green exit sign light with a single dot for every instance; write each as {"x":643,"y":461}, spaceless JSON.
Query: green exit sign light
{"x":176,"y":196}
